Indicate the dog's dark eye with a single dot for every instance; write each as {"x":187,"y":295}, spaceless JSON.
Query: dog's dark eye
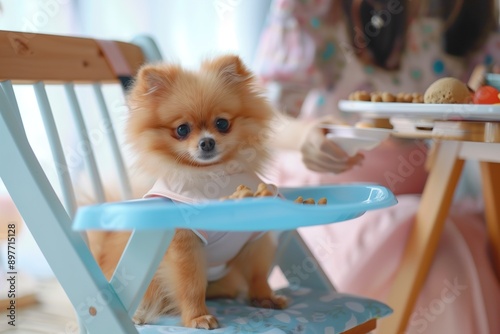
{"x":183,"y":130}
{"x":222,"y":124}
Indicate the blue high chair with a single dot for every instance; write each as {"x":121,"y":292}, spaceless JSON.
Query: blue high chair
{"x":45,"y":197}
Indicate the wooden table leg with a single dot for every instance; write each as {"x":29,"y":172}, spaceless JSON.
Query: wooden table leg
{"x":364,"y":328}
{"x":490,"y":173}
{"x":424,"y":237}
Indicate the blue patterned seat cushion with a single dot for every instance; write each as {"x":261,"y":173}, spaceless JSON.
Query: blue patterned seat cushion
{"x":309,"y":311}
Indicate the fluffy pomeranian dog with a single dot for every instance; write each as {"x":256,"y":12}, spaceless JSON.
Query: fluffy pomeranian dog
{"x":200,"y":134}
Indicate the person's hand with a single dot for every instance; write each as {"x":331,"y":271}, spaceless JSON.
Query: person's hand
{"x":323,"y":155}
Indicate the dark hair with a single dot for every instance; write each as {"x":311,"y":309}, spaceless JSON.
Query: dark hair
{"x":380,"y":40}
{"x":377,"y":29}
{"x":468,"y":26}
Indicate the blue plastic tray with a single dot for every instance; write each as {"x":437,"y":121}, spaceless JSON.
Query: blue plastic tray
{"x":250,"y":214}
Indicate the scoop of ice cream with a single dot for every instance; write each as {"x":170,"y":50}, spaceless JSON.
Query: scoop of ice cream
{"x":447,"y":90}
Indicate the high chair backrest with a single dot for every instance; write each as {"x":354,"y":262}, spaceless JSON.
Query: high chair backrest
{"x":42,"y":62}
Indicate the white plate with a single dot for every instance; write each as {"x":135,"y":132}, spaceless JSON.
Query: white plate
{"x":352,"y":139}
{"x":477,"y":112}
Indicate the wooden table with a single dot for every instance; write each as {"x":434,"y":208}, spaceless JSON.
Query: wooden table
{"x":460,"y":132}
{"x":455,"y":142}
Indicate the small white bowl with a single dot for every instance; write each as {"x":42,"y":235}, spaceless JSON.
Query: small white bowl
{"x":352,"y":140}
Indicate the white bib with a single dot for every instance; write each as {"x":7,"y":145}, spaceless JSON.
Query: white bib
{"x":220,"y":246}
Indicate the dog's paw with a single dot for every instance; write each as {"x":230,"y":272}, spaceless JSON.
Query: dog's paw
{"x":204,"y":322}
{"x":274,"y":302}
{"x":141,"y":318}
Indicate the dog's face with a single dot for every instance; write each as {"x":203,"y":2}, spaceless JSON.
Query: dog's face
{"x":198,"y":119}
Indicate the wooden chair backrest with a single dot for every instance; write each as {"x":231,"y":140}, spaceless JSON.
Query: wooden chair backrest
{"x":28,"y":57}
{"x":38,"y":60}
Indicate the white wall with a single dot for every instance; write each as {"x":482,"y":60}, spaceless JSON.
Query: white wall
{"x":186,"y":30}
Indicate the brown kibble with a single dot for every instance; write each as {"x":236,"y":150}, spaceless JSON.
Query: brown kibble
{"x":400,"y":97}
{"x":261,"y":187}
{"x":388,"y":97}
{"x":241,"y":192}
{"x":322,"y":201}
{"x":309,"y":201}
{"x":299,"y":200}
{"x":363,"y":96}
{"x":264,"y":193}
{"x":408,"y":98}
{"x":419,"y":99}
{"x":242,"y":187}
{"x":244,"y":193}
{"x":359,"y":95}
{"x":375,"y":97}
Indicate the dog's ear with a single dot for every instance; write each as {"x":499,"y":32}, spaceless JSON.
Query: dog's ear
{"x":155,"y":78}
{"x":230,"y":68}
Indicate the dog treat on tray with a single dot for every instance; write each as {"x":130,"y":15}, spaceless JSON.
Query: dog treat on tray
{"x":417,"y":98}
{"x":404,"y":98}
{"x":243,"y":191}
{"x":309,"y":201}
{"x":360,"y":95}
{"x":388,"y":97}
{"x":382,"y":97}
{"x":322,"y":201}
{"x":447,"y":90}
{"x":262,"y":191}
{"x":375,"y":97}
{"x":401,"y":97}
{"x":301,"y":200}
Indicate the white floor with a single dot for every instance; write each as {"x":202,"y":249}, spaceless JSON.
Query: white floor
{"x":52,"y":314}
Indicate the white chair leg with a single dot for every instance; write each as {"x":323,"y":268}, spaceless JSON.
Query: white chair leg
{"x":64,"y":249}
{"x":299,"y":265}
{"x":138,"y":265}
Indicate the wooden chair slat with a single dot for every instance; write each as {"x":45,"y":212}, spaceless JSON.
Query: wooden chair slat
{"x":34,"y":57}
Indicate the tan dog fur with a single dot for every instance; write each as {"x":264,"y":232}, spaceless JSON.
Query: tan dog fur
{"x":162,"y":98}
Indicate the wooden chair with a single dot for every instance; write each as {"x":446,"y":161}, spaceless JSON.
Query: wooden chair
{"x":49,"y":208}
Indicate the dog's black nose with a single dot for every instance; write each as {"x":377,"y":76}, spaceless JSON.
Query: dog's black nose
{"x":207,"y":144}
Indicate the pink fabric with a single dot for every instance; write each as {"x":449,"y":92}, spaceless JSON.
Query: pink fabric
{"x":461,"y":294}
{"x":396,"y":164}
